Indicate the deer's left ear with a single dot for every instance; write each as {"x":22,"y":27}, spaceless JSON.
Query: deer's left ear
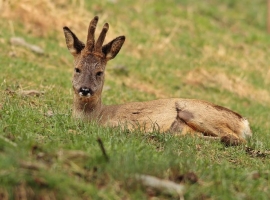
{"x":112,"y":48}
{"x":74,"y":45}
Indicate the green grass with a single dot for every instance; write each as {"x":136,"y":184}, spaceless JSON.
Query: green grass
{"x":170,"y":50}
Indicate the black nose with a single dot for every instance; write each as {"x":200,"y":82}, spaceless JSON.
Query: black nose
{"x":84,"y":91}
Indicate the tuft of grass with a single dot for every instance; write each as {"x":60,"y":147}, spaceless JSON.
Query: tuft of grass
{"x":216,"y":51}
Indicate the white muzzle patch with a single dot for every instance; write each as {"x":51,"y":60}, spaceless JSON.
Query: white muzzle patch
{"x":82,"y":95}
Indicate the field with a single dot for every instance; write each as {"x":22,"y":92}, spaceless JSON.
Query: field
{"x":213,"y":50}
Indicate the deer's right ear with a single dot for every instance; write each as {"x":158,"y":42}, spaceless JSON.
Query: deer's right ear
{"x":74,"y":45}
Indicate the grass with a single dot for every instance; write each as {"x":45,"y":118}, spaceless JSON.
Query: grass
{"x":216,"y":51}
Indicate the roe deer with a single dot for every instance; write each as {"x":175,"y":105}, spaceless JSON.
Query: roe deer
{"x":174,"y":115}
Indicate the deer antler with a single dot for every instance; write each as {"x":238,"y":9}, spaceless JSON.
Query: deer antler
{"x":90,"y":42}
{"x":91,"y":46}
{"x":101,"y":38}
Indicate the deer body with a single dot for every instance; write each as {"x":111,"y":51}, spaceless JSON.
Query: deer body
{"x":171,"y":115}
{"x":176,"y":115}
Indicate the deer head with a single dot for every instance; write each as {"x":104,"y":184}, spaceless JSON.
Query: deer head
{"x":90,"y":60}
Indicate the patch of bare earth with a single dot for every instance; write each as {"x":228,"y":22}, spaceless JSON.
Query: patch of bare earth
{"x":203,"y":77}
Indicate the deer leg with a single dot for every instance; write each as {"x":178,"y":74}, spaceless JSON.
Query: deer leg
{"x":231,"y":140}
{"x":179,"y":127}
{"x":211,"y":138}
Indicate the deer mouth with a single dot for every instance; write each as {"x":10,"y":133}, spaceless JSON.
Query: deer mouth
{"x":87,"y":95}
{"x":85,"y":92}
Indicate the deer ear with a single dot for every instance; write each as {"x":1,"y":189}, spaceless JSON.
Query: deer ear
{"x":74,"y":45}
{"x":112,"y":48}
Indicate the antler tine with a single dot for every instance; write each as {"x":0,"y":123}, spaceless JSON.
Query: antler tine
{"x":101,"y":38}
{"x":91,"y":34}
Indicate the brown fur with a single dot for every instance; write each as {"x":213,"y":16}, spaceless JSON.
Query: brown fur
{"x":176,"y":115}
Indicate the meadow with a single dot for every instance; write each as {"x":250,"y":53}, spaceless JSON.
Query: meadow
{"x":213,"y":50}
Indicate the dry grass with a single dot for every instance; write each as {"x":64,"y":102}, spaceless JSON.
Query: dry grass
{"x":146,"y":87}
{"x":236,"y":85}
{"x":42,"y":17}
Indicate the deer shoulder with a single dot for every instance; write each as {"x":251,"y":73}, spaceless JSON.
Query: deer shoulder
{"x":176,"y":115}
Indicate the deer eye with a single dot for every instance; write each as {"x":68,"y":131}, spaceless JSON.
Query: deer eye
{"x":77,"y":70}
{"x":99,"y":74}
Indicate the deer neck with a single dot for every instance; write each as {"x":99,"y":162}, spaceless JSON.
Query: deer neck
{"x":86,"y":108}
